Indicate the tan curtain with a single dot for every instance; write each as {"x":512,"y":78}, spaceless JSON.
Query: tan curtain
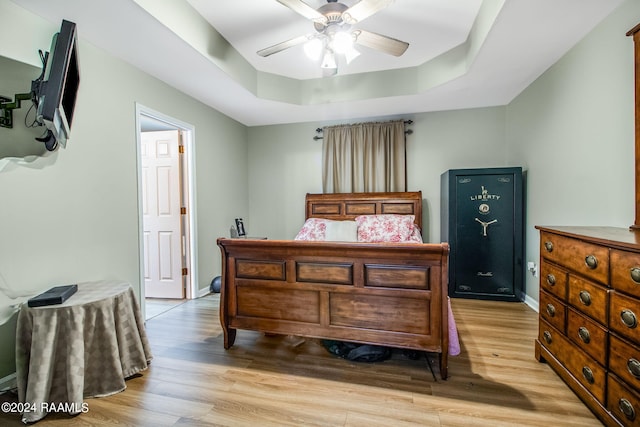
{"x":364,"y":157}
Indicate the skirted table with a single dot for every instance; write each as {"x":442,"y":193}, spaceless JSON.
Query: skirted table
{"x":85,"y":347}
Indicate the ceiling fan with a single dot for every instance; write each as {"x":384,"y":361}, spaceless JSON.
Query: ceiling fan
{"x":333,"y":33}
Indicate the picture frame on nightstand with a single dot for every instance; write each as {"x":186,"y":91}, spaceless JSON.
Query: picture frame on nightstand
{"x":240,"y":227}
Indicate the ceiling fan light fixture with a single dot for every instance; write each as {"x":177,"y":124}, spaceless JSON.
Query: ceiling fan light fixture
{"x":334,"y":40}
{"x":329,"y":59}
{"x":351,"y":54}
{"x":313,"y":49}
{"x":342,"y":42}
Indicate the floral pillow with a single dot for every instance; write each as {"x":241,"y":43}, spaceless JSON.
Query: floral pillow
{"x":313,"y":229}
{"x":385,"y":228}
{"x":416,"y":236}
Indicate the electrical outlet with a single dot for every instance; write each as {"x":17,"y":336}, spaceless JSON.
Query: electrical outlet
{"x":533,"y":268}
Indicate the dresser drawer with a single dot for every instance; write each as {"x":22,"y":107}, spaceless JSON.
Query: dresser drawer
{"x":624,"y":361}
{"x":553,"y":310}
{"x":588,"y":372}
{"x":624,"y":316}
{"x":622,"y":402}
{"x":625,"y":272}
{"x":553,"y":279}
{"x":554,"y":341}
{"x":588,"y":335}
{"x":585,"y":258}
{"x":585,"y":369}
{"x":589,"y":297}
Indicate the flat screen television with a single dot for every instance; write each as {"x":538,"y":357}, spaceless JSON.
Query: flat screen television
{"x":56,"y":93}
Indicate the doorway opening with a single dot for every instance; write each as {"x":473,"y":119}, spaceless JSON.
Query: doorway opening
{"x":166,"y":217}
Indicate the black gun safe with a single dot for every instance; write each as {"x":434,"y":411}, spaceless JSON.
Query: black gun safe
{"x":482,"y":220}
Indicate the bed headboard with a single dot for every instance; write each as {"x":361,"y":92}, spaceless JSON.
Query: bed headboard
{"x":347,"y":206}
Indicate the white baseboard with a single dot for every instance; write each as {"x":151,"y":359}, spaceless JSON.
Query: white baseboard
{"x":8,"y":382}
{"x":532,"y":303}
{"x":202,"y":292}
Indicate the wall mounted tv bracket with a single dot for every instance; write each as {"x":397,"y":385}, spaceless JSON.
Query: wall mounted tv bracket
{"x":7,"y":107}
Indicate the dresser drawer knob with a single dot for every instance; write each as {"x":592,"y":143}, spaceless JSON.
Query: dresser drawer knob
{"x":584,"y":334}
{"x":627,"y":409}
{"x":629,"y":318}
{"x":591,"y":261}
{"x":587,"y":373}
{"x":551,"y":279}
{"x":635,"y":274}
{"x":547,"y":337}
{"x":551,"y":310}
{"x":548,"y":246}
{"x":633,"y":365}
{"x":585,"y":298}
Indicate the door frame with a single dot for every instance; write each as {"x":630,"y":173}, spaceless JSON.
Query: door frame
{"x":188,"y":191}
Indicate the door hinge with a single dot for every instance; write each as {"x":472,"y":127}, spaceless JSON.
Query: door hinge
{"x":185,"y":271}
{"x":181,"y":149}
{"x":183,"y":211}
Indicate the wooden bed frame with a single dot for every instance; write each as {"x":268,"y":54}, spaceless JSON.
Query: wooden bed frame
{"x":390,"y":294}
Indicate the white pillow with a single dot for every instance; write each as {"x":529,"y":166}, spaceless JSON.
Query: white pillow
{"x":341,"y":231}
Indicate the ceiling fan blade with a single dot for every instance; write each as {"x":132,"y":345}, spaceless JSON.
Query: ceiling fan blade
{"x":382,"y":43}
{"x":363,"y":9}
{"x":305,"y":10}
{"x":284,"y":45}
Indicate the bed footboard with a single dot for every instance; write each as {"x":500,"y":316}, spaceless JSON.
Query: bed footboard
{"x":384,"y":293}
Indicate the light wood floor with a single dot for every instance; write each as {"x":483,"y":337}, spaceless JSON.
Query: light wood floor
{"x":156,"y":306}
{"x":283,"y":381}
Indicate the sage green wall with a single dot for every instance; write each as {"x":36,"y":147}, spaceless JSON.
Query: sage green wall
{"x":15,"y":142}
{"x":72,"y":215}
{"x":573,"y":130}
{"x":285,"y":163}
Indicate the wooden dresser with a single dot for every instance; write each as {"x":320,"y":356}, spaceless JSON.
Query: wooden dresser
{"x":589,"y":313}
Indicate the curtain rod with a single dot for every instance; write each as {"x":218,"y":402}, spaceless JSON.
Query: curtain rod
{"x":406,"y":122}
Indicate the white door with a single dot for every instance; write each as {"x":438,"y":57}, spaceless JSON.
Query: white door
{"x":161,"y":214}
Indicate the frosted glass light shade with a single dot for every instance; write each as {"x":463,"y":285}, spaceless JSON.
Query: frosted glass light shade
{"x":313,"y":49}
{"x":342,"y":42}
{"x":329,"y":60}
{"x":351,"y":54}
